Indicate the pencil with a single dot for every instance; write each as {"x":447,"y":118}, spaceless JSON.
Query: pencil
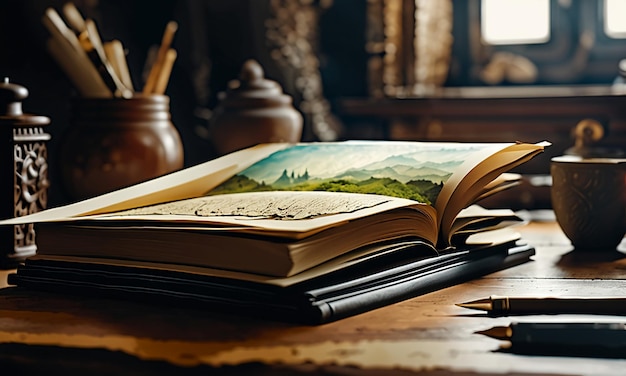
{"x":166,"y":42}
{"x":72,"y":58}
{"x":79,"y":70}
{"x":74,"y":18}
{"x":59,"y":30}
{"x":114,"y":51}
{"x":165,"y":71}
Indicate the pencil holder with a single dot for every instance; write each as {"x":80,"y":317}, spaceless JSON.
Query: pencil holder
{"x":24,"y":165}
{"x":112,"y":143}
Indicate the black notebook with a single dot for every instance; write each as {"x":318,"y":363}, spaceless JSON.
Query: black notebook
{"x":398,"y":273}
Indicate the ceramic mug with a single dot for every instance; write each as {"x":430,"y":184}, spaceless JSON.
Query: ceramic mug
{"x":589,"y":200}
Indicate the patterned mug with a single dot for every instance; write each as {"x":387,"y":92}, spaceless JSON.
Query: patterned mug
{"x":589,"y":200}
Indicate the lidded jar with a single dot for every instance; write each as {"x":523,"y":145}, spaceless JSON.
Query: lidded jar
{"x":116,"y":142}
{"x":254,"y":110}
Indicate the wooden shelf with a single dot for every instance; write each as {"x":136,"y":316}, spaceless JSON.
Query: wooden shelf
{"x":490,"y":114}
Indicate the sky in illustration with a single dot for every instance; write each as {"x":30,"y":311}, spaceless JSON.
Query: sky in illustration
{"x":327,"y":160}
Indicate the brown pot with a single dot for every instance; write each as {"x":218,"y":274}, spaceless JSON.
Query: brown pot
{"x":254,"y":110}
{"x":114,"y":143}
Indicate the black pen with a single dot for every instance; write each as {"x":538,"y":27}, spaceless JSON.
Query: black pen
{"x":600,"y":338}
{"x":502,"y":306}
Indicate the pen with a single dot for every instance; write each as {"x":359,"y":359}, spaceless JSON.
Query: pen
{"x":502,"y":306}
{"x":609,"y":337}
{"x":157,"y":66}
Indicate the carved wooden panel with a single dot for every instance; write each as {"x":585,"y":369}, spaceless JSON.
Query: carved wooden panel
{"x":30,"y":187}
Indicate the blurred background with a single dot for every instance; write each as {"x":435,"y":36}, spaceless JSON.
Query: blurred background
{"x":444,"y":70}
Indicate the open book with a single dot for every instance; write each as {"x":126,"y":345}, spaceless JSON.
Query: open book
{"x":281,"y":209}
{"x":309,"y":232}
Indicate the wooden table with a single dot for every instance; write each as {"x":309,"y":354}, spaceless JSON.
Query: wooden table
{"x":427,"y":335}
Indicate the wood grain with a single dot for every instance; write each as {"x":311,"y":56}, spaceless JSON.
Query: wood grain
{"x":419,"y":335}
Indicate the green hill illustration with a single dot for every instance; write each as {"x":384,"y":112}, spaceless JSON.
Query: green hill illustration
{"x":419,"y":190}
{"x":361,"y":168}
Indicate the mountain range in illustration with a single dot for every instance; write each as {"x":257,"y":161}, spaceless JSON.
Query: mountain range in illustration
{"x":397,"y":175}
{"x":403,"y":169}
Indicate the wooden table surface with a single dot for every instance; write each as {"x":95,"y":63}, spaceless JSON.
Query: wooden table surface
{"x":426,"y":335}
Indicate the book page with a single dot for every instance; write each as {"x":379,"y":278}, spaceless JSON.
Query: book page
{"x":345,"y":260}
{"x":446,"y":175}
{"x":265,"y":205}
{"x":464,"y":189}
{"x":430,"y":173}
{"x":266,"y":212}
{"x":418,"y":171}
{"x":191,"y":182}
{"x":503,"y":182}
{"x":476,"y":219}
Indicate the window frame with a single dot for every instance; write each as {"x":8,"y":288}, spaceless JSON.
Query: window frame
{"x":510,"y":42}
{"x":560,"y":61}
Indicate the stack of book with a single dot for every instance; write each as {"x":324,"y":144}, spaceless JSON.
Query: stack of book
{"x":308,"y":232}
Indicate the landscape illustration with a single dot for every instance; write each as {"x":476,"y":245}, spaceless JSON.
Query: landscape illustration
{"x":414,"y":171}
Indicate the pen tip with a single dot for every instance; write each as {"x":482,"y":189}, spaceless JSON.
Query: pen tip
{"x":480,"y":304}
{"x":497,"y":332}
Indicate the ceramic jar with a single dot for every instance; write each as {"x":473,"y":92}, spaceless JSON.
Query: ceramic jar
{"x":254,"y":110}
{"x":115,"y":142}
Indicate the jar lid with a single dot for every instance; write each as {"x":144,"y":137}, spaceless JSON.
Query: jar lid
{"x":587,"y":134}
{"x":11,"y":97}
{"x":252,"y":89}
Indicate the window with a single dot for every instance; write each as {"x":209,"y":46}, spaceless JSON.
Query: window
{"x":515,"y":21}
{"x":565,"y":42}
{"x":615,"y":18}
{"x":528,"y":21}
